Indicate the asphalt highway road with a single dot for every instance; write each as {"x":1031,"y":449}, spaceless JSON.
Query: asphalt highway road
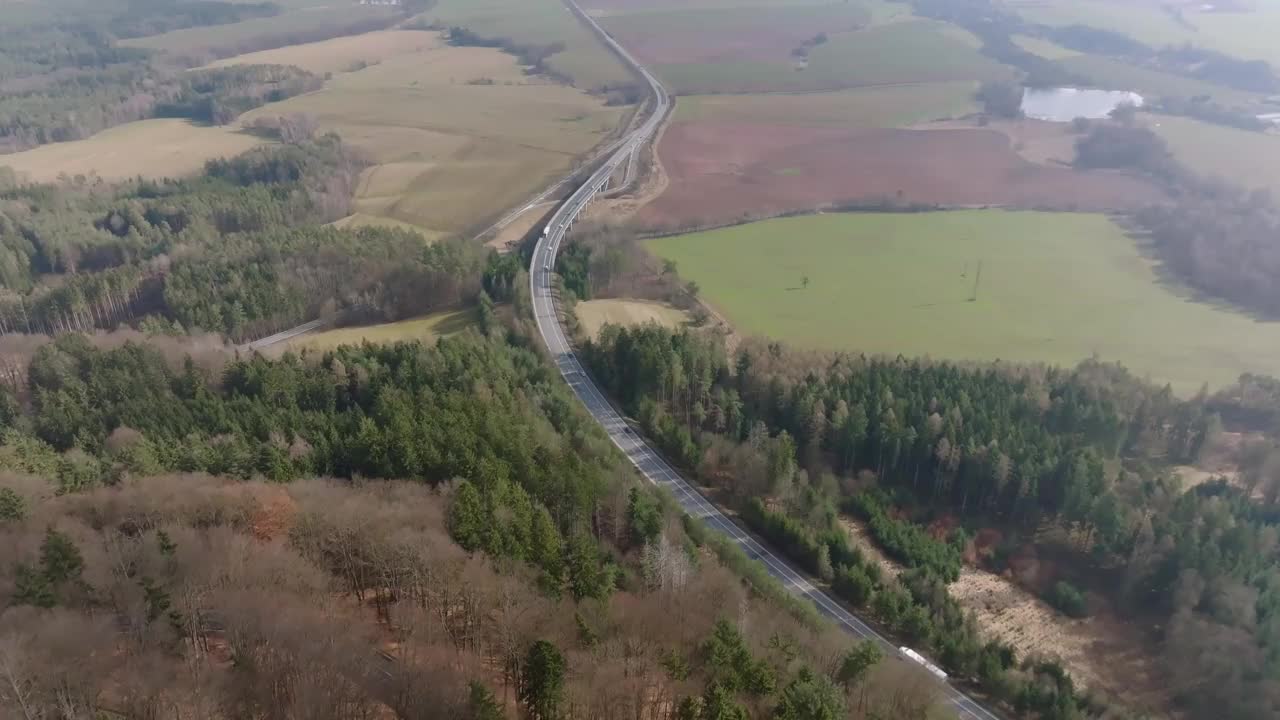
{"x":646,"y":460}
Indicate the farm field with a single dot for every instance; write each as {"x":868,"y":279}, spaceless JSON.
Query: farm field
{"x":1055,"y":288}
{"x":696,"y":49}
{"x":879,"y":9}
{"x":1248,"y":34}
{"x":595,"y":314}
{"x":341,"y":54}
{"x":280,"y":30}
{"x":537,"y":22}
{"x":888,"y":106}
{"x":1115,"y":75}
{"x":1043,"y":48}
{"x":1038,"y":141}
{"x":153,"y":148}
{"x":427,"y":328}
{"x":457,"y":133}
{"x":905,"y":51}
{"x":1145,"y":23}
{"x":1245,"y":158}
{"x":723,"y":172}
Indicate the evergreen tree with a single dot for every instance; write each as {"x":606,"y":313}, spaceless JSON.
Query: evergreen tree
{"x":12,"y":505}
{"x":644,"y":517}
{"x":60,"y":559}
{"x":482,"y":704}
{"x":546,"y":549}
{"x":587,"y":579}
{"x":825,"y":571}
{"x":32,"y":587}
{"x":542,"y":682}
{"x":718,"y":703}
{"x":810,"y":697}
{"x":468,"y":523}
{"x":857,"y":662}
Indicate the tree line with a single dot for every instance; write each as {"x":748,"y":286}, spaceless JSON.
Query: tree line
{"x":141,"y":18}
{"x":534,"y":56}
{"x":1006,"y":446}
{"x":221,"y":95}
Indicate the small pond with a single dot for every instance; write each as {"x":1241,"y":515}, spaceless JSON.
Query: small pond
{"x":1067,"y":104}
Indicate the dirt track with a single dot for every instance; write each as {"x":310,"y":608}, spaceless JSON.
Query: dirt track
{"x":721,"y":171}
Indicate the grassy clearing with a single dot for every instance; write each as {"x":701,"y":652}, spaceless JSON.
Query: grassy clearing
{"x":428,"y":329}
{"x":1115,"y":75}
{"x":542,"y":22}
{"x":341,"y":54}
{"x":1244,"y":158}
{"x":151,"y":148}
{"x":1250,"y":35}
{"x":595,"y":314}
{"x":1043,"y":48}
{"x":888,"y":106}
{"x":458,"y":134}
{"x":1055,"y":288}
{"x":295,"y":22}
{"x":359,"y":220}
{"x":913,"y":51}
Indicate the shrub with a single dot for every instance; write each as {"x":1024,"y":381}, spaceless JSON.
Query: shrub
{"x":1066,"y":598}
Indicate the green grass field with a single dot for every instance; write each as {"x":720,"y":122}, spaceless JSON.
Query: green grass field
{"x":148,"y":148}
{"x":1043,"y":48}
{"x":305,"y":19}
{"x":888,"y":106}
{"x":911,"y":51}
{"x":543,"y":22}
{"x":1145,"y":23}
{"x":1245,"y":158}
{"x":1055,"y":288}
{"x":908,"y":51}
{"x":1249,"y":35}
{"x":427,"y":328}
{"x":1115,"y":75}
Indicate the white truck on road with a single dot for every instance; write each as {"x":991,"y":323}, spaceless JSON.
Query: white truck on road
{"x":924,"y":661}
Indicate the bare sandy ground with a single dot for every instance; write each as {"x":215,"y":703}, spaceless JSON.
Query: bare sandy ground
{"x":723,"y":171}
{"x":508,"y":236}
{"x":1101,"y":652}
{"x":595,"y":314}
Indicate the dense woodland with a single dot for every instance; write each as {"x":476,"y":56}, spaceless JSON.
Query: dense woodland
{"x":63,"y":76}
{"x":522,"y":571}
{"x":140,"y":18}
{"x":1012,"y":448}
{"x":238,"y":250}
{"x":1221,"y":240}
{"x":533,"y":56}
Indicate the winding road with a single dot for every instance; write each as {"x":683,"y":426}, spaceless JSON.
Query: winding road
{"x":646,"y":460}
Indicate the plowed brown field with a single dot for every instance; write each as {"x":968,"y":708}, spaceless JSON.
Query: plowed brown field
{"x":724,"y":171}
